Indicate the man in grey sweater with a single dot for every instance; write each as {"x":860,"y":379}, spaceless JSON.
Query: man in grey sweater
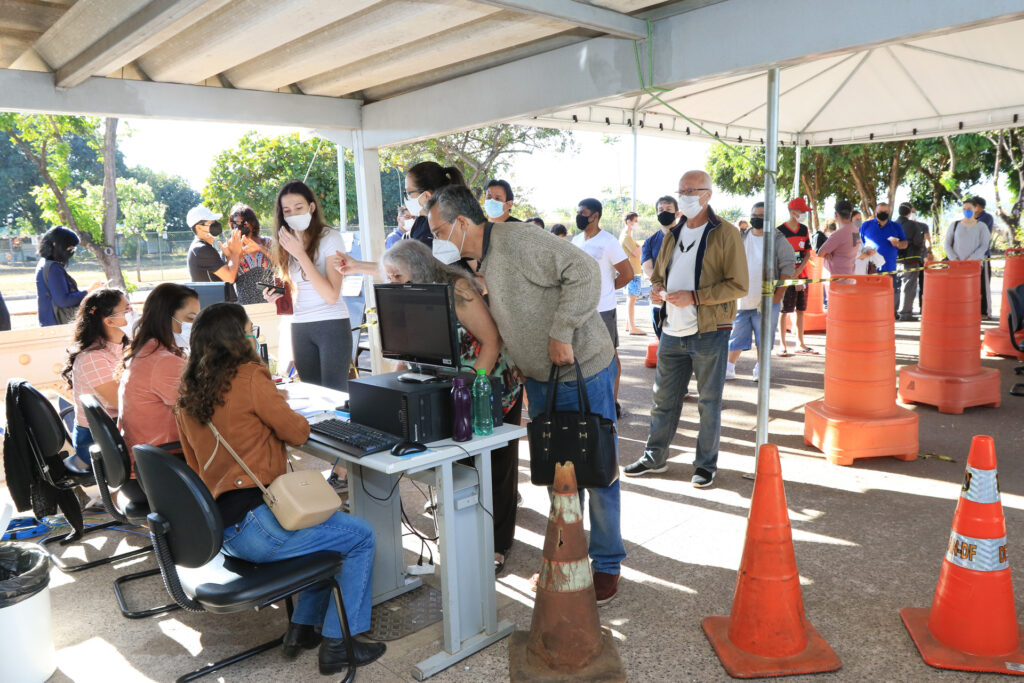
{"x":543,"y":293}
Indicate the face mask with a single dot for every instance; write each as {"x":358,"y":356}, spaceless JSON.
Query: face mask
{"x":214,"y":229}
{"x":968,"y":213}
{"x":582,"y":221}
{"x":182,"y":338}
{"x":757,"y":223}
{"x":299,"y":222}
{"x":858,"y":221}
{"x":413,"y":204}
{"x":407,"y":224}
{"x":129,"y":325}
{"x":493,"y":208}
{"x":445,"y":251}
{"x":882,"y":216}
{"x":690,"y":206}
{"x":666,"y":218}
{"x":800,"y":216}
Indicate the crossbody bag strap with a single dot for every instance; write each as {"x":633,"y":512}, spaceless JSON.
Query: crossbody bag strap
{"x":222,"y":440}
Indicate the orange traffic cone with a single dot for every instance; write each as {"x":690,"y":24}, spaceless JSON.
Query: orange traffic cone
{"x":949,"y":373}
{"x":651,"y":360}
{"x":767,"y":633}
{"x":972,"y":623}
{"x":566,"y":641}
{"x":815,"y":318}
{"x":996,"y":341}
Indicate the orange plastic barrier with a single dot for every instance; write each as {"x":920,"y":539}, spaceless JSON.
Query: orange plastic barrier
{"x":815,"y":319}
{"x":859,"y":417}
{"x":949,"y":374}
{"x":651,"y":360}
{"x":972,"y":623}
{"x":767,"y":632}
{"x":997,"y":341}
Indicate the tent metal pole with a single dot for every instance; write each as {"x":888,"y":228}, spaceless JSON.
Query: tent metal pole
{"x":771,"y":162}
{"x":342,"y":189}
{"x":796,"y":172}
{"x":635,"y":159}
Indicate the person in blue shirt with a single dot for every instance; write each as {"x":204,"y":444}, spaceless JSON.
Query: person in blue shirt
{"x":57,"y":293}
{"x":405,"y":221}
{"x":890,"y":238}
{"x":668,"y":215}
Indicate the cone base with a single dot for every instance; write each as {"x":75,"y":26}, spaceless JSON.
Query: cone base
{"x":816,"y":657}
{"x":949,"y":393}
{"x":844,"y":438}
{"x":651,"y":360}
{"x":524,"y":668}
{"x":941,"y":656}
{"x":996,"y":342}
{"x":813,"y":322}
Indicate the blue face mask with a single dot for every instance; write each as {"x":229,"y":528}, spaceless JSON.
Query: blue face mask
{"x":493,"y":208}
{"x":968,"y":213}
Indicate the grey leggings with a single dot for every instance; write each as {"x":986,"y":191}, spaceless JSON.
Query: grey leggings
{"x":323,"y":352}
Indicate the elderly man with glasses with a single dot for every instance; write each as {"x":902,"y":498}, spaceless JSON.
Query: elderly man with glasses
{"x":700,"y":272}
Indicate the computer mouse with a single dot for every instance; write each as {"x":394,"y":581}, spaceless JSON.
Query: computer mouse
{"x":408,"y":447}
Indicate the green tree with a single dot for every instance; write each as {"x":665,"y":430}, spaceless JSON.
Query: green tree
{"x":172,"y":191}
{"x":945,"y":169}
{"x":1009,"y":160}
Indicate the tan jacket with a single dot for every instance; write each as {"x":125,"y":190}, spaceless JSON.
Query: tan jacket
{"x":721,"y":275}
{"x":256,"y":420}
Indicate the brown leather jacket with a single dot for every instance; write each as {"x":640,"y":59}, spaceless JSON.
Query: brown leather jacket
{"x":256,"y":420}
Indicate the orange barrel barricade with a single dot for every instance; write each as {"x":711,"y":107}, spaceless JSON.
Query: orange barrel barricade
{"x":949,"y":373}
{"x":972,"y":623}
{"x":858,"y":417}
{"x":767,"y":632}
{"x":814,"y":317}
{"x":565,"y":641}
{"x":996,"y":341}
{"x":651,"y":360}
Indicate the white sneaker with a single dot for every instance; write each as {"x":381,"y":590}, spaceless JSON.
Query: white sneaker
{"x":757,"y":366}
{"x":730,"y":371}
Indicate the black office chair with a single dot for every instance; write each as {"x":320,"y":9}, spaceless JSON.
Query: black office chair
{"x":49,"y":444}
{"x":187,"y":532}
{"x":112,"y":466}
{"x":1015,"y":322}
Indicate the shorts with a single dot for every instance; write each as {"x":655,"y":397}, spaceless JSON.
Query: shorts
{"x":794,"y":300}
{"x":748,"y":324}
{"x":633,"y":288}
{"x":611,"y":323}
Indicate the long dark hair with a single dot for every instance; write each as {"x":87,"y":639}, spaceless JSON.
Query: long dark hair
{"x":315,"y":230}
{"x":155,"y":323}
{"x":55,"y":243}
{"x":430,"y":176}
{"x":90,"y":332}
{"x":218,"y":347}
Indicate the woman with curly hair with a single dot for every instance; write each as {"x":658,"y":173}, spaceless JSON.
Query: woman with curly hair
{"x":225,"y":385}
{"x":102,"y":327}
{"x":255,"y":266}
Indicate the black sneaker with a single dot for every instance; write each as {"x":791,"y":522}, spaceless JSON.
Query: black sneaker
{"x":702,"y":478}
{"x":640,"y":467}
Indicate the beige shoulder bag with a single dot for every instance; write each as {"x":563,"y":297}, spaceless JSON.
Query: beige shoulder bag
{"x":298,"y":499}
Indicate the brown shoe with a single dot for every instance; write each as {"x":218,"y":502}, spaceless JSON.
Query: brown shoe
{"x":605,"y":586}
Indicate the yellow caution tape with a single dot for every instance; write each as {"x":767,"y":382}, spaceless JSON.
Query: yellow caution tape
{"x":937,"y":457}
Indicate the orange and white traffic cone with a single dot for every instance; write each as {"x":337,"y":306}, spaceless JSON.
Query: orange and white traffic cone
{"x":972,"y":623}
{"x":651,"y":359}
{"x":767,"y":633}
{"x":566,"y":641}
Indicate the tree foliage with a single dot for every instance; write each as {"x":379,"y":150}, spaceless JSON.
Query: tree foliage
{"x":172,"y":191}
{"x":1008,"y":146}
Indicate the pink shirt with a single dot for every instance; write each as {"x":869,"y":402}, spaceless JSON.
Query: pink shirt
{"x":94,"y":367}
{"x":840,"y":250}
{"x":147,"y":394}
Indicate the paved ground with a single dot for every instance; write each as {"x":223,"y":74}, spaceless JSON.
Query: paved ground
{"x":869,"y":539}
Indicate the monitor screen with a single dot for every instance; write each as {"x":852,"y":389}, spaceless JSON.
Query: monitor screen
{"x":212,"y":292}
{"x":418,"y":324}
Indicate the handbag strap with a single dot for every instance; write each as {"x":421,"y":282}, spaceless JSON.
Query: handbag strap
{"x":583,"y":400}
{"x":222,"y":440}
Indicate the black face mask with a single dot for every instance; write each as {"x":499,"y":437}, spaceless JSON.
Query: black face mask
{"x":215,"y":228}
{"x":882,"y":216}
{"x":582,"y":221}
{"x":757,"y":222}
{"x":666,"y":218}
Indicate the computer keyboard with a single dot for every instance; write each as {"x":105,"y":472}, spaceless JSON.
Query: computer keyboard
{"x":355,"y":439}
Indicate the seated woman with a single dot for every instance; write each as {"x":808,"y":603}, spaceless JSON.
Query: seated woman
{"x":480,"y":346}
{"x":225,"y":385}
{"x":148,"y":389}
{"x":102,"y":326}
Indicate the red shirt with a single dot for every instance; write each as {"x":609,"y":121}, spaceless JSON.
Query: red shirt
{"x":147,"y":394}
{"x":800,"y":240}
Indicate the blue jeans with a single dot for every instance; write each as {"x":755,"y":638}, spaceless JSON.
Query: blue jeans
{"x":259,"y":538}
{"x":81,"y":439}
{"x":656,"y":319}
{"x":747,"y":323}
{"x":703,"y":355}
{"x":606,"y":549}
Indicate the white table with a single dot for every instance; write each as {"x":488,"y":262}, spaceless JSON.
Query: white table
{"x":468,"y":596}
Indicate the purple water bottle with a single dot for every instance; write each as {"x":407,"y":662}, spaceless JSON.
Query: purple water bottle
{"x":462,"y":401}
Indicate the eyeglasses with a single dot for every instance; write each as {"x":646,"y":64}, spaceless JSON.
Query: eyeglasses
{"x":121,"y":314}
{"x":693,"y":192}
{"x":411,"y":193}
{"x":255,"y":332}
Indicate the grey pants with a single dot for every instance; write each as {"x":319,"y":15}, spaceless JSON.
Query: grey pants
{"x":908,"y":285}
{"x":323,"y":352}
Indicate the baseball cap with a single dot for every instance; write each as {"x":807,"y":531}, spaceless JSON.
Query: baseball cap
{"x":198,"y":214}
{"x":798,"y":204}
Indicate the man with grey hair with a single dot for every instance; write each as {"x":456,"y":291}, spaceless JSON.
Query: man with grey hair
{"x":700,"y":272}
{"x":543,"y":295}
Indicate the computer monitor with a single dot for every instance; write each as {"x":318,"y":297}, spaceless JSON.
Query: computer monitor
{"x":212,"y":292}
{"x":418,"y":324}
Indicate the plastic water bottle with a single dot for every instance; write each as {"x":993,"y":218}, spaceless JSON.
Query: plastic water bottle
{"x":483,"y":419}
{"x":462,"y":402}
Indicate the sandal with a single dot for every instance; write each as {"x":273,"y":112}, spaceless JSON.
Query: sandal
{"x":808,"y":351}
{"x":499,"y":565}
{"x":784,"y":354}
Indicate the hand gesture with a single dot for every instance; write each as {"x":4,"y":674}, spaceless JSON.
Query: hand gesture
{"x":96,"y":285}
{"x":560,"y":352}
{"x":290,"y":243}
{"x":270,"y":295}
{"x":680,"y":298}
{"x":250,"y":246}
{"x":232,"y":246}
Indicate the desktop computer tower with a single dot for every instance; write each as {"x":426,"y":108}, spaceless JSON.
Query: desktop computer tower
{"x":414,"y":411}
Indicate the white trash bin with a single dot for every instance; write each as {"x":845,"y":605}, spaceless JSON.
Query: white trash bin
{"x":26,"y":643}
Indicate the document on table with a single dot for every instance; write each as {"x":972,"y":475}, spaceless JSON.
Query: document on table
{"x":352,"y":285}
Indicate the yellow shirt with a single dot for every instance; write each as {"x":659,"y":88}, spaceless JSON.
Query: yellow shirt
{"x":629,"y":246}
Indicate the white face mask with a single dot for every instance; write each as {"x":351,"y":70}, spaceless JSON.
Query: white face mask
{"x":690,"y":206}
{"x":493,"y":208}
{"x":407,"y":224}
{"x":182,"y":338}
{"x":129,"y":326}
{"x":298,"y":222}
{"x":800,"y":216}
{"x":413,"y":204}
{"x":445,"y":251}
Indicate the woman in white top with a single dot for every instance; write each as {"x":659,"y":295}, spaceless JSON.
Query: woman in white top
{"x":321,"y":331}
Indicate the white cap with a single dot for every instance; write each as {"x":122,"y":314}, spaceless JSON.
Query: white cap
{"x":198,"y":214}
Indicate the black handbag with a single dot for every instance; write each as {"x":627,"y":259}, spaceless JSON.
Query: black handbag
{"x":584,"y":438}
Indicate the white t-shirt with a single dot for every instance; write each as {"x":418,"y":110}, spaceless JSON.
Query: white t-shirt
{"x":308,"y":305}
{"x":754,"y":246}
{"x":682,"y":320}
{"x":607,"y":251}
